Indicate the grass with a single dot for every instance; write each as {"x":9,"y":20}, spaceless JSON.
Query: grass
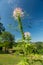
{"x":9,"y":59}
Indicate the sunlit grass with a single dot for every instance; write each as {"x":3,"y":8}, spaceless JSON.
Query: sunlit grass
{"x":9,"y":59}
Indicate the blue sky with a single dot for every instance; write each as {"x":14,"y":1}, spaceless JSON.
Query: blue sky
{"x":34,"y":8}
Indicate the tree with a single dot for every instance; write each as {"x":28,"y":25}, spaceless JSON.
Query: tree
{"x":2,"y":28}
{"x":7,"y":39}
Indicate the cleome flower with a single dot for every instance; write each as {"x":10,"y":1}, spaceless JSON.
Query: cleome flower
{"x":27,"y":34}
{"x":18,"y":12}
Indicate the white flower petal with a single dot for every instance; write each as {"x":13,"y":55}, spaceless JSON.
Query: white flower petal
{"x":18,"y":12}
{"x":27,"y":34}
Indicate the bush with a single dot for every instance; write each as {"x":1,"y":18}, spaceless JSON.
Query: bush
{"x":23,"y":63}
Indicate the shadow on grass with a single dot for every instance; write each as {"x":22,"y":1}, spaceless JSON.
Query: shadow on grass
{"x":2,"y":52}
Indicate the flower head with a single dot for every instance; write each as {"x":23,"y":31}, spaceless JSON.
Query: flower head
{"x":27,"y":34}
{"x":18,"y":12}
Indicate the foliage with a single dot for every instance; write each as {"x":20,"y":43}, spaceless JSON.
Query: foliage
{"x":7,"y":39}
{"x":29,"y":47}
{"x":2,"y":28}
{"x":23,"y":63}
{"x":9,"y":59}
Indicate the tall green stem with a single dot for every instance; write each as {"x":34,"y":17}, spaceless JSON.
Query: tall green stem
{"x":21,"y":28}
{"x":23,"y":37}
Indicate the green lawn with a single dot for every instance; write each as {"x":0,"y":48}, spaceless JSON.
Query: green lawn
{"x":9,"y":59}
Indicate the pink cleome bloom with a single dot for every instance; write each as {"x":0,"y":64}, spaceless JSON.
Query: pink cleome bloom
{"x":27,"y":34}
{"x":18,"y":12}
